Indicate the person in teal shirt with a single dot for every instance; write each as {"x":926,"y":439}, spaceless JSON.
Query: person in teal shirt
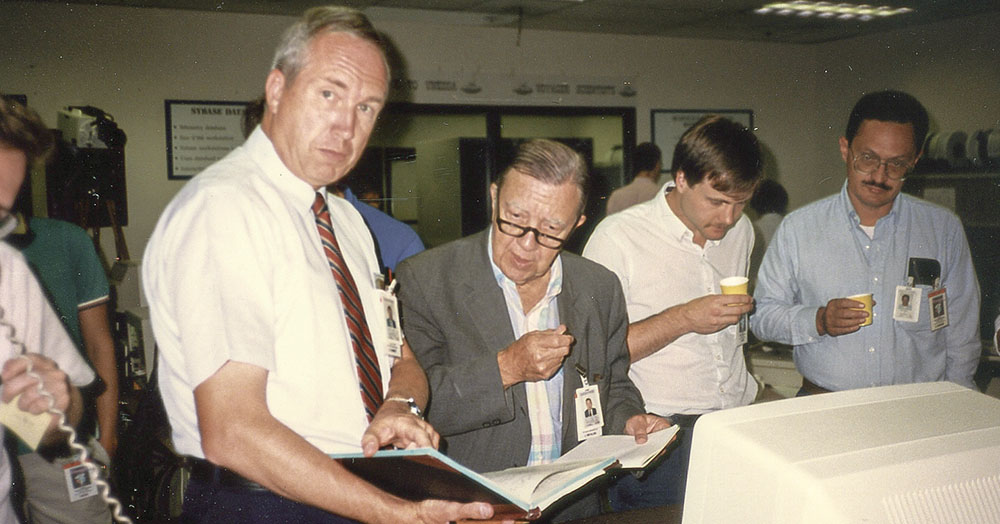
{"x":64,"y":259}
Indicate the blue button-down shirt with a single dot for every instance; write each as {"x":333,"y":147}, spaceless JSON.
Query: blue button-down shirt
{"x":820,"y":253}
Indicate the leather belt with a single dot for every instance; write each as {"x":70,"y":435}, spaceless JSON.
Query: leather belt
{"x":811,"y":388}
{"x":208,"y":473}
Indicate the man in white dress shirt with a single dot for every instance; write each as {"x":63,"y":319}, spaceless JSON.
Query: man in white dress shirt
{"x":670,"y":253}
{"x":258,"y":365}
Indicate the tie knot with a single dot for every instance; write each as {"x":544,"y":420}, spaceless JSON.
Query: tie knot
{"x":319,"y":204}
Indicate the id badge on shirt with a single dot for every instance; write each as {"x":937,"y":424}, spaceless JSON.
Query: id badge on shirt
{"x":906,"y":306}
{"x":79,"y":481}
{"x":938,"y":300}
{"x":385,"y":289}
{"x":742,"y":330}
{"x":589,"y":416}
{"x":390,"y":315}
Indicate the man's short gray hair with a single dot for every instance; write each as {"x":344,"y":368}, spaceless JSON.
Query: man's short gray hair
{"x":551,"y":162}
{"x":290,"y":56}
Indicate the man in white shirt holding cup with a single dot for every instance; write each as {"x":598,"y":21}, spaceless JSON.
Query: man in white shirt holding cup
{"x":670,"y":253}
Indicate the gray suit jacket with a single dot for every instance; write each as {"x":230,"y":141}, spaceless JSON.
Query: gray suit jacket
{"x":455,"y":319}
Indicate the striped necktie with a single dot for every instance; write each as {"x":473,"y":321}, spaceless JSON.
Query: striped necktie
{"x":361,"y":338}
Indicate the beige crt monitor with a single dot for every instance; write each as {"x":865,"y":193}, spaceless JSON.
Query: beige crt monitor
{"x":917,"y":453}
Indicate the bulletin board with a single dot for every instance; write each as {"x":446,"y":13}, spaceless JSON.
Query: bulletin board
{"x":669,"y":124}
{"x":199,"y":133}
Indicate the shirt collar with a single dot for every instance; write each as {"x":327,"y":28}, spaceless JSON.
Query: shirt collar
{"x":852,"y":214}
{"x":7,"y":224}
{"x":672,"y":223}
{"x":262,"y":150}
{"x":555,"y":273}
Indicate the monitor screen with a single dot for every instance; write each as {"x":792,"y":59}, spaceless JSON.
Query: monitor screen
{"x":897,"y":454}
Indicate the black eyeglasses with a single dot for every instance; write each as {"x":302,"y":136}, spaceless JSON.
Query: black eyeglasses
{"x":516,"y":231}
{"x":868,"y":163}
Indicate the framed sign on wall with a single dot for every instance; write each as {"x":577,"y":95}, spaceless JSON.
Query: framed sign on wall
{"x":669,"y":124}
{"x":200,"y":132}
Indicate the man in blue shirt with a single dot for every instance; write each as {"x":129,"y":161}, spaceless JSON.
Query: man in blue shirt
{"x":394,"y":240}
{"x":869,"y":238}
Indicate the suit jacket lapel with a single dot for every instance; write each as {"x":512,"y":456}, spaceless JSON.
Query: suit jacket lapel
{"x":483,"y":296}
{"x":573,"y":313}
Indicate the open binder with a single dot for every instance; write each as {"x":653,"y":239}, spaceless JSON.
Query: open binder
{"x":521,"y":493}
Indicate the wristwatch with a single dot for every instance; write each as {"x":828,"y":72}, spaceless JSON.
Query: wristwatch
{"x":414,"y":408}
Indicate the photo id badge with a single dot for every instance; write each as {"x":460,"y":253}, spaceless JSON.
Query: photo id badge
{"x":390,"y":315}
{"x":79,"y":481}
{"x":589,"y":418}
{"x":742,"y":330}
{"x":906,"y":306}
{"x":938,"y":300}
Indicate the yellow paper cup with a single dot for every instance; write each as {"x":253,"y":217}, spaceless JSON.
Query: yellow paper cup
{"x":866,"y":299}
{"x":734,"y":286}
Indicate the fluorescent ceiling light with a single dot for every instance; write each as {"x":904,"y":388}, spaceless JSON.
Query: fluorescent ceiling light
{"x":831,"y":10}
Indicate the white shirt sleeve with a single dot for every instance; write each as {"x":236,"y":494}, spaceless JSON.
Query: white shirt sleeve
{"x":29,"y":319}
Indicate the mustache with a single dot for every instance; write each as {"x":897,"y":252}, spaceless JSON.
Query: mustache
{"x":881,"y":186}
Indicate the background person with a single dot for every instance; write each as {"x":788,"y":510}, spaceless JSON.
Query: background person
{"x":770,"y":202}
{"x":646,"y":164}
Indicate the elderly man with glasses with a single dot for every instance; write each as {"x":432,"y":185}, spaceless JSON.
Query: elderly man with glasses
{"x":512,"y":332}
{"x":870,"y":238}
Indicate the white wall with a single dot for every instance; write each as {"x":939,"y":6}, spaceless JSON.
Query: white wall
{"x":126,"y":61}
{"x":953,"y":68}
